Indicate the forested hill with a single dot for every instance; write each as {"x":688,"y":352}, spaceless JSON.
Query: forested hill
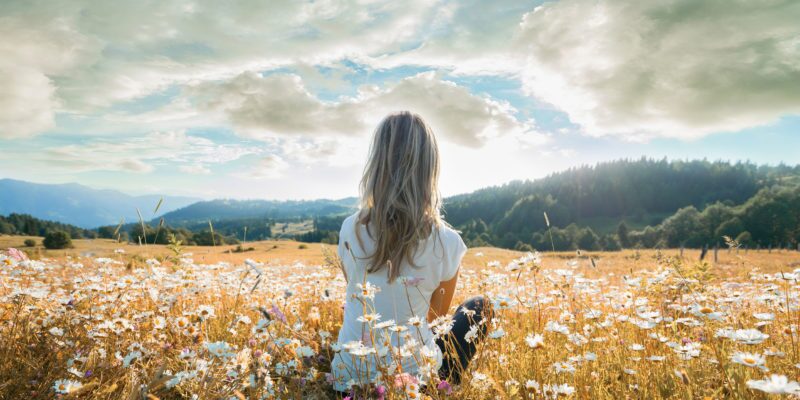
{"x":641,"y":192}
{"x":626,"y":203}
{"x":225,"y":209}
{"x":24,"y":224}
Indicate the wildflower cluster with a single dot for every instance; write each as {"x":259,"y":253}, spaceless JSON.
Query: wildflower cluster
{"x":562,"y":327}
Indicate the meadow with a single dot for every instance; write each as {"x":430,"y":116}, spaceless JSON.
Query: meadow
{"x":106,"y":320}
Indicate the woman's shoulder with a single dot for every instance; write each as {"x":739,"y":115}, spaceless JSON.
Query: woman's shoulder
{"x":349,"y":221}
{"x":449,"y":234}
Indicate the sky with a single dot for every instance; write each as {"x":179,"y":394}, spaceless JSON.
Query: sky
{"x":279,"y":99}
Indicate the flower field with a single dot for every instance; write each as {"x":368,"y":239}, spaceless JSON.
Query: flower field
{"x":154,"y":323}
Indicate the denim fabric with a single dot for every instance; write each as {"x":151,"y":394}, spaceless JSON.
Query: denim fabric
{"x":454,"y":364}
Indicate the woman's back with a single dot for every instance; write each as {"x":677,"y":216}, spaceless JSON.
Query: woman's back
{"x":401,"y":270}
{"x":397,"y":311}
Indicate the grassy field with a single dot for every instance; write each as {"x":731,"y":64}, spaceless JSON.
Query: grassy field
{"x":289,"y":229}
{"x":108,"y":321}
{"x":276,"y":251}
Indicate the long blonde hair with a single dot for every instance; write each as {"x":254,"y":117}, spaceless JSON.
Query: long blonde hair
{"x":399,"y":190}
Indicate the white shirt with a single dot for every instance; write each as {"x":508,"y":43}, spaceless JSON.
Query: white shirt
{"x":401,"y":301}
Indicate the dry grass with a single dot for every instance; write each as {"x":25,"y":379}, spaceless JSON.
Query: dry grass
{"x":86,"y":323}
{"x":278,"y":251}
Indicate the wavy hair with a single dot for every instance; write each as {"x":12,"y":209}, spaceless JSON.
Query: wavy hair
{"x":399,"y":190}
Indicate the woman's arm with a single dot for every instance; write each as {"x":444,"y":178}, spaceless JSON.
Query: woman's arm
{"x":442,"y":297}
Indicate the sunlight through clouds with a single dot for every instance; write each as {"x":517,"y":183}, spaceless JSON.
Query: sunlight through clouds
{"x":528,"y":86}
{"x":280,"y":105}
{"x":680,"y":68}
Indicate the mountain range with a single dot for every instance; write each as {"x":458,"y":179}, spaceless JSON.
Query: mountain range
{"x":663,"y":203}
{"x":81,"y":205}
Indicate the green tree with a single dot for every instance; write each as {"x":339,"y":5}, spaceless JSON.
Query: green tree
{"x":622,"y":235}
{"x":57,"y":240}
{"x":6,"y":228}
{"x":588,"y":240}
{"x":713,"y":217}
{"x":106,"y":232}
{"x":773,"y":215}
{"x":561,"y":240}
{"x":610,"y":242}
{"x":684,"y":228}
{"x":522,"y":246}
{"x":204,"y":238}
{"x":647,"y":238}
{"x":730,"y":228}
{"x":744,"y":238}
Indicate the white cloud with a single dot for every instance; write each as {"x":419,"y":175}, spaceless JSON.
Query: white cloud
{"x":271,"y":166}
{"x":32,"y":55}
{"x":196,"y":169}
{"x":143,"y":154}
{"x":279,"y":104}
{"x":312,"y":151}
{"x":466,"y":38}
{"x":130,"y":49}
{"x":273,"y":105}
{"x":675,"y":68}
{"x":679,"y":68}
{"x":131,"y":165}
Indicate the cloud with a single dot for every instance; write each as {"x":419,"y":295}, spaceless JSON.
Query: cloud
{"x":679,"y":68}
{"x":466,"y":38}
{"x":83,"y":65}
{"x":131,"y":49}
{"x":311,"y":151}
{"x":143,"y":154}
{"x":276,"y":104}
{"x":31,"y":57}
{"x":675,"y":68}
{"x":271,"y":166}
{"x":195,"y":169}
{"x":279,"y":105}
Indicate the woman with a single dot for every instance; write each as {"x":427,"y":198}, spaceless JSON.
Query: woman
{"x":401,"y":263}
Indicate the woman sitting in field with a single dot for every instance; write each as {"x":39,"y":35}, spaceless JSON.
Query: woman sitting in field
{"x":401,"y":262}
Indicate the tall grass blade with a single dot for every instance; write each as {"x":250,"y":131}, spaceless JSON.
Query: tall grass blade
{"x":116,"y":231}
{"x":547,"y":221}
{"x":161,"y":200}
{"x":141,"y":222}
{"x":213,"y":240}
{"x":160,"y":224}
{"x":121,"y":222}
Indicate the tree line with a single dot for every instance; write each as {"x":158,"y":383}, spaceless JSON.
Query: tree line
{"x":763,"y":210}
{"x":26,"y":225}
{"x":644,"y":203}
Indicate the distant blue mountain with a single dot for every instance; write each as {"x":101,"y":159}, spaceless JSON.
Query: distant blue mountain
{"x":80,"y":205}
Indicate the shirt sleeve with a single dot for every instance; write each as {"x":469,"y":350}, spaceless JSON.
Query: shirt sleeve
{"x":342,"y":250}
{"x":456,"y":254}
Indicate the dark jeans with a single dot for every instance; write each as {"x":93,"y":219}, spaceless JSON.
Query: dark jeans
{"x":453,"y":365}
